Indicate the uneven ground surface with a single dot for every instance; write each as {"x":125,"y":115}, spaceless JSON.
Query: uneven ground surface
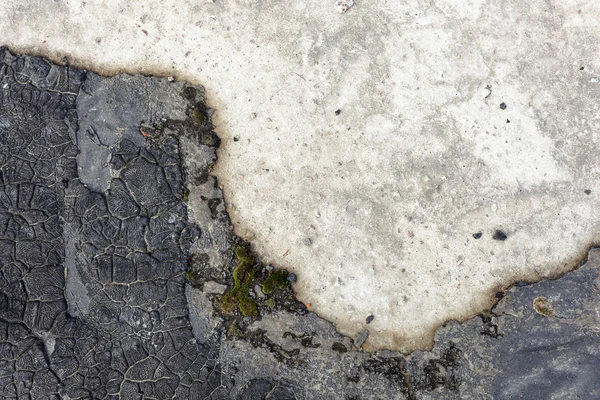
{"x":116,"y":255}
{"x":456,"y":120}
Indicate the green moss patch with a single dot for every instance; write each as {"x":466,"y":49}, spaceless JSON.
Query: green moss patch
{"x":270,"y":303}
{"x":190,"y":275}
{"x":277,"y":278}
{"x":243,"y":278}
{"x":198,"y":115}
{"x":234,"y":332}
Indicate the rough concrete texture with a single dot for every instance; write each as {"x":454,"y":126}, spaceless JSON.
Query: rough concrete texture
{"x":456,"y":119}
{"x":93,"y":295}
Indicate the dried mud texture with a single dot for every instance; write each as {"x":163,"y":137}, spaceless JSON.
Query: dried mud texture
{"x":92,"y":288}
{"x":115,"y":248}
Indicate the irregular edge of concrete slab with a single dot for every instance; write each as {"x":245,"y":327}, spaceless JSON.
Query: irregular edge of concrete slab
{"x":66,"y":60}
{"x":382,"y":366}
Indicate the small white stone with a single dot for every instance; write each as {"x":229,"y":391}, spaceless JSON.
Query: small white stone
{"x":343,"y":5}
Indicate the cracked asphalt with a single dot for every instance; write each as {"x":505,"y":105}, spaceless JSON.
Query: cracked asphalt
{"x":116,"y":247}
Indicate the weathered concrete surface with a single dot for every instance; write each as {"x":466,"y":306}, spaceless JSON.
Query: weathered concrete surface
{"x":93,"y":302}
{"x":457,"y":118}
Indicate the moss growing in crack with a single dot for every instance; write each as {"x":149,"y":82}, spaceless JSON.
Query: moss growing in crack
{"x":234,"y":332}
{"x":243,"y":278}
{"x":277,"y":278}
{"x":270,"y":303}
{"x":248,"y":307}
{"x":243,"y":256}
{"x":198,"y":115}
{"x":190,"y":275}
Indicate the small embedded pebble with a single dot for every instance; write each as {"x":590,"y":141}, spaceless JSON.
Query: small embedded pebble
{"x":236,"y":139}
{"x":587,"y":191}
{"x":503,"y":106}
{"x":307,"y":241}
{"x":499,"y":235}
{"x":477,"y":235}
{"x":292,"y":278}
{"x":338,"y":111}
{"x":253,"y":116}
{"x":370,"y":319}
{"x":362,"y":338}
{"x":543,"y":306}
{"x":259,"y":291}
{"x":339,"y":347}
{"x":343,"y":5}
{"x":269,"y":268}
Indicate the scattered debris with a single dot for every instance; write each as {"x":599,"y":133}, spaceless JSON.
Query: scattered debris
{"x":361,"y":339}
{"x":503,"y":106}
{"x":171,"y":79}
{"x":542,"y":306}
{"x":370,"y":319}
{"x":307,"y":241}
{"x":587,"y":191}
{"x":477,"y":235}
{"x":343,"y":5}
{"x":338,"y":111}
{"x":488,"y":91}
{"x":292,"y":278}
{"x":499,"y":235}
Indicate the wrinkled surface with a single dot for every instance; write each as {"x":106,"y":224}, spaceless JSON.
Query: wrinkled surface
{"x":92,"y":300}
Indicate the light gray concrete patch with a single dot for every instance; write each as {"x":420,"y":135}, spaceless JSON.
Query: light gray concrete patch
{"x":99,"y":130}
{"x":204,"y":322}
